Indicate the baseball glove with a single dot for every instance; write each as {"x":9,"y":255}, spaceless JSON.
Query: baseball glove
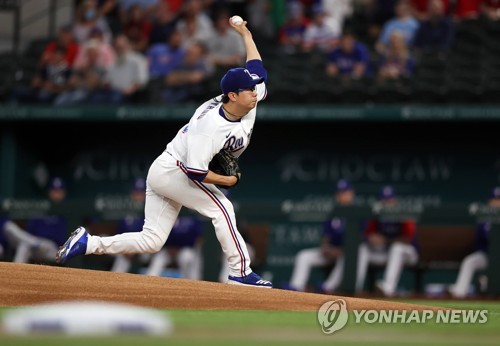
{"x":224,"y":163}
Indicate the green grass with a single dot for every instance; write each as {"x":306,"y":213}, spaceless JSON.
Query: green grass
{"x":239,"y":328}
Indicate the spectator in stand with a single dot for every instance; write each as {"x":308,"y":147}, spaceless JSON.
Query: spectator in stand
{"x":259,"y":15}
{"x":163,"y":23}
{"x":87,"y":78}
{"x":164,"y":57}
{"x":338,"y":11}
{"x":319,"y":36}
{"x":147,"y":5}
{"x":225,"y":47}
{"x":392,"y":243}
{"x":404,"y":23}
{"x":477,"y":260}
{"x":435,"y":34}
{"x":396,"y":62}
{"x":195,"y":25}
{"x":370,"y":16}
{"x":350,"y":60}
{"x":128,"y":75}
{"x":174,"y":5}
{"x":466,"y":10}
{"x":50,"y":80}
{"x":384,"y":10}
{"x":105,"y":53}
{"x":185,"y":81}
{"x":490,"y":9}
{"x":87,"y":18}
{"x":137,"y":28}
{"x":291,"y":34}
{"x":421,"y":8}
{"x":66,"y":41}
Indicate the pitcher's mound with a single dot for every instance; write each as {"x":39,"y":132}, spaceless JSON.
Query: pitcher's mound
{"x":26,"y":284}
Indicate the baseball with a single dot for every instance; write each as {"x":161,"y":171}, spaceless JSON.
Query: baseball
{"x":236,"y":20}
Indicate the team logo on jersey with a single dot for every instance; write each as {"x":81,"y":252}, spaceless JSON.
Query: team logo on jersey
{"x":233,"y":144}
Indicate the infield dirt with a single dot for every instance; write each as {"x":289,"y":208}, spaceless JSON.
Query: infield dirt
{"x":28,"y":284}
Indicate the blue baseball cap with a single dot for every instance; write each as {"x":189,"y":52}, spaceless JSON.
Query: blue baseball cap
{"x":238,"y":79}
{"x":387,"y":192}
{"x":57,"y":183}
{"x":139,"y":185}
{"x":343,"y":185}
{"x":496,"y":192}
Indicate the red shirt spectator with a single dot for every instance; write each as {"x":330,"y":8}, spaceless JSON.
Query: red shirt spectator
{"x":491,"y":3}
{"x":291,"y":34}
{"x":174,"y":5}
{"x":66,"y":42}
{"x":466,"y":9}
{"x":421,"y":7}
{"x":491,"y":9}
{"x":137,"y":28}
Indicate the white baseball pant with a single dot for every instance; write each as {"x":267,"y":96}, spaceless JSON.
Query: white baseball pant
{"x":305,"y":260}
{"x":224,"y":270}
{"x":168,"y":189}
{"x":470,"y":264}
{"x":399,"y":255}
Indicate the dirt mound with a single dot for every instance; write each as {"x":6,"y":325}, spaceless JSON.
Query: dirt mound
{"x":26,"y":284}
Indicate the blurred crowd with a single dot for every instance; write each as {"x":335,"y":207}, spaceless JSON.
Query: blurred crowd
{"x":114,"y":49}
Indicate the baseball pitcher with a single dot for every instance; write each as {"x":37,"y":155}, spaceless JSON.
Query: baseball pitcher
{"x":180,"y":176}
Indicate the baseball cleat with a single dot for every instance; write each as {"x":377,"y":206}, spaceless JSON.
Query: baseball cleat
{"x":75,"y":245}
{"x":251,"y":279}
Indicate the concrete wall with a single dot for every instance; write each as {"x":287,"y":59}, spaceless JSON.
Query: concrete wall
{"x":33,"y":29}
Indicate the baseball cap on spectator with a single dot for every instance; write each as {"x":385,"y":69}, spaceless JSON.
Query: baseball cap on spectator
{"x":139,"y":185}
{"x":57,"y":183}
{"x":495,"y":193}
{"x":317,"y":9}
{"x":343,"y":185}
{"x":238,"y":79}
{"x":387,"y":192}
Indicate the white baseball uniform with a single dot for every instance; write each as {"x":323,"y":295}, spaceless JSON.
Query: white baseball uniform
{"x":175,"y":180}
